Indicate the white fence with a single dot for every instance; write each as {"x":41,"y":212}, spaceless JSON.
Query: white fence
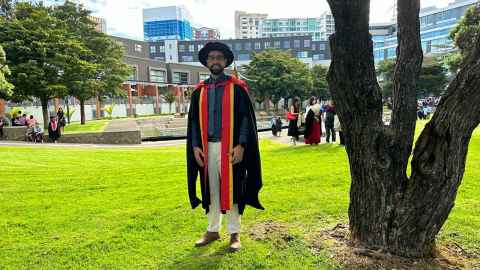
{"x":119,"y":110}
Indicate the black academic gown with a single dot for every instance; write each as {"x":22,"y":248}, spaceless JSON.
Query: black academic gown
{"x":309,"y":121}
{"x":247,"y":177}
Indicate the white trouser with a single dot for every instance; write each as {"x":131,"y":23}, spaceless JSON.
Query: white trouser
{"x":215,"y":215}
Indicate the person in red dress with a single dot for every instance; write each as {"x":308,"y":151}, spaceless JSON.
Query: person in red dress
{"x":313,"y":125}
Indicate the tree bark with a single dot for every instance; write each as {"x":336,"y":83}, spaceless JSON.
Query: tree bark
{"x":44,"y":102}
{"x":387,"y":210}
{"x":82,"y":112}
{"x":68,"y":109}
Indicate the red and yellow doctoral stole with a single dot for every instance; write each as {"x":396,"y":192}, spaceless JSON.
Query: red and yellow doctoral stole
{"x":226,"y":166}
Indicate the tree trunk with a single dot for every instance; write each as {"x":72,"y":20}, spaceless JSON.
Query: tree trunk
{"x":68,"y":110}
{"x":98,"y":108}
{"x":82,"y":112}
{"x":44,"y":102}
{"x":387,"y":210}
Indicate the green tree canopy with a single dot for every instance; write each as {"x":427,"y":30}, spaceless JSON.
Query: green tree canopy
{"x":96,"y":67}
{"x":35,"y":44}
{"x":5,"y":86}
{"x":432,"y":79}
{"x":276,"y":74}
{"x":320,"y":84}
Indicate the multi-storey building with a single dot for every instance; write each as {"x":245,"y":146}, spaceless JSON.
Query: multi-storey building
{"x":205,"y":33}
{"x":435,"y":27}
{"x":319,"y":28}
{"x":247,"y":25}
{"x":163,"y":23}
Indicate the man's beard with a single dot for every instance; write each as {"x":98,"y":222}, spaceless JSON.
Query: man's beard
{"x":216,"y":69}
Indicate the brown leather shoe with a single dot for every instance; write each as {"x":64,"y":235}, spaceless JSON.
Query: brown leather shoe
{"x":207,"y":238}
{"x":235,"y":244}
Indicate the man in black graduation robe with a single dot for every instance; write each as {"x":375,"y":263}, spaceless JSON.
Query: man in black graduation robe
{"x":222,"y":129}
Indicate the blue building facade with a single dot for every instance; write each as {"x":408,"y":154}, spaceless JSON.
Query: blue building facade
{"x":168,"y":29}
{"x":167,"y":23}
{"x":435,"y":27}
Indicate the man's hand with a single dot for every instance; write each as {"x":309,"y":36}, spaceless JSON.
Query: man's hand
{"x":199,"y":156}
{"x":237,"y":155}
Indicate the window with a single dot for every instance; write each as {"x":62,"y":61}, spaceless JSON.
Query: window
{"x":296,"y":44}
{"x":314,"y":46}
{"x":257,"y":46}
{"x":187,"y":58}
{"x":138,"y":48}
{"x":153,"y":49}
{"x":248,"y":46}
{"x":276,"y":44}
{"x":306,"y":43}
{"x":199,"y":46}
{"x":267,"y":44}
{"x":162,"y":49}
{"x":180,"y":77}
{"x":181,"y":48}
{"x":302,"y":54}
{"x":157,"y":75}
{"x":286,"y":44}
{"x":322,"y":47}
{"x":191,"y":48}
{"x":238,"y":46}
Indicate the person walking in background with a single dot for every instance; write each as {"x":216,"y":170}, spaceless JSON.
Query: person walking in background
{"x":338,"y":128}
{"x":276,"y":124}
{"x":312,"y":101}
{"x":313,"y":125}
{"x":330,"y":121}
{"x":53,"y":129}
{"x":293,"y":121}
{"x":61,"y":119}
{"x":1,"y":127}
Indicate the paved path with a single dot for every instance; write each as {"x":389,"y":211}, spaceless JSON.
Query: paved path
{"x":266,"y":135}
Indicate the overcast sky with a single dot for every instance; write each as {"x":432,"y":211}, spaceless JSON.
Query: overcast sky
{"x":124,"y":17}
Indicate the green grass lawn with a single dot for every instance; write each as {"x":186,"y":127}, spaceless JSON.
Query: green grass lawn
{"x":79,"y":208}
{"x":90,"y":126}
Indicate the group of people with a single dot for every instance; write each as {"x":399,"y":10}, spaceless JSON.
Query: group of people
{"x":425,"y":108}
{"x":34,"y":131}
{"x":22,"y":120}
{"x":313,"y":122}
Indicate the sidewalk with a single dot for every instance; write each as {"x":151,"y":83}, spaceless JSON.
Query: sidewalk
{"x":266,"y":135}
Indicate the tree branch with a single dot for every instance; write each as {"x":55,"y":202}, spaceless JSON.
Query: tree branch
{"x":407,"y":70}
{"x":352,"y":61}
{"x":439,"y":158}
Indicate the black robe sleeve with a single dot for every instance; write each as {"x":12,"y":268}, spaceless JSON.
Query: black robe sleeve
{"x":309,"y":123}
{"x":192,"y":166}
{"x":252,"y":159}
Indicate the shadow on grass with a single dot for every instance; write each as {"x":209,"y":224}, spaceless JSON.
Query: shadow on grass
{"x":202,"y":257}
